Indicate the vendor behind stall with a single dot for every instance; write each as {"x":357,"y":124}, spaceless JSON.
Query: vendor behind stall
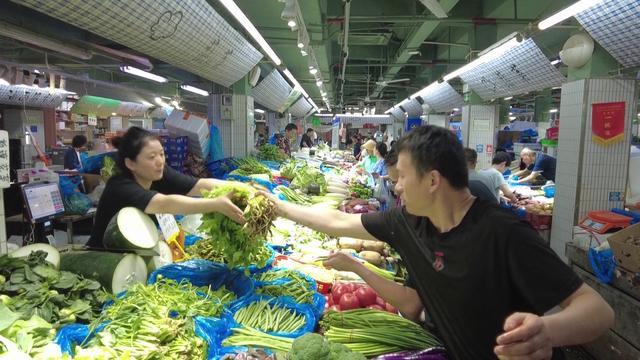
{"x":479,"y":184}
{"x":72,"y":158}
{"x":538,"y":165}
{"x":307,"y":139}
{"x":147,"y":183}
{"x":284,"y":140}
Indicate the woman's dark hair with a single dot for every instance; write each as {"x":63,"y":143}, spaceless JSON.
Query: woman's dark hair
{"x":310,"y":130}
{"x":392,"y":158}
{"x":392,"y":144}
{"x":130,"y":145}
{"x":471,"y":156}
{"x":436,"y":148}
{"x":79,"y":141}
{"x":116,"y":141}
{"x":501,"y":157}
{"x":382,"y":149}
{"x":291,"y":126}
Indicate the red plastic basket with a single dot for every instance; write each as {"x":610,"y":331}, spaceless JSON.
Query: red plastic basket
{"x":539,"y":222}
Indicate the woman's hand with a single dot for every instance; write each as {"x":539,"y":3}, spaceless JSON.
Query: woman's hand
{"x":226,"y":207}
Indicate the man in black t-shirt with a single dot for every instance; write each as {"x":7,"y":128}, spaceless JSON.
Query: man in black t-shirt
{"x":484,"y":278}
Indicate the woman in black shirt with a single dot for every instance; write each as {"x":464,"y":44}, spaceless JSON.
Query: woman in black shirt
{"x":146,"y":183}
{"x":307,"y":139}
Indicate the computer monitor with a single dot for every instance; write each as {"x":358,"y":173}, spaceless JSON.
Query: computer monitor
{"x":43,"y":201}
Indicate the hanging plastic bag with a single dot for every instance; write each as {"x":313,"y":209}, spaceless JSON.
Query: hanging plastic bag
{"x":215,"y":149}
{"x":382,"y":192}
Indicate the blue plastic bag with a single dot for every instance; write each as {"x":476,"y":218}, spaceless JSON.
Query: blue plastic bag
{"x":215,"y":141}
{"x":68,"y":336}
{"x":206,"y":273}
{"x":272,"y":165}
{"x":93,"y":164}
{"x":603,"y":264}
{"x":191,"y":239}
{"x":305,"y":310}
{"x":212,"y":330}
{"x":234,"y":177}
{"x":70,"y":184}
{"x":220,"y":168}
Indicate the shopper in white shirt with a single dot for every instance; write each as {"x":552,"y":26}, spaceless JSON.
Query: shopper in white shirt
{"x":499,"y":164}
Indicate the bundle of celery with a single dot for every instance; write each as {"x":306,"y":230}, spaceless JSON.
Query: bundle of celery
{"x":372,"y":332}
{"x":239,"y":245}
{"x":156,"y":321}
{"x":249,"y":166}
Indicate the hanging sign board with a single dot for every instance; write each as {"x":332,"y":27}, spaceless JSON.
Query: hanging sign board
{"x":4,"y":160}
{"x":92,"y":120}
{"x":607,"y":123}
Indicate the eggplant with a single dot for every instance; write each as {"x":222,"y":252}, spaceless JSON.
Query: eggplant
{"x":435,"y":353}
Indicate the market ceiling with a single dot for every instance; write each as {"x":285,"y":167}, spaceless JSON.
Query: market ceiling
{"x":387,"y":41}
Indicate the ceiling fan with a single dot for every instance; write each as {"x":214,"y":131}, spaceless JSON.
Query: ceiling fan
{"x":388,"y":82}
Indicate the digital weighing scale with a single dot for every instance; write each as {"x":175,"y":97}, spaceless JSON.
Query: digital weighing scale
{"x":603,"y":222}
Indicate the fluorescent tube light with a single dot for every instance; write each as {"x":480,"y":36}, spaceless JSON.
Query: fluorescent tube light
{"x":194,"y":90}
{"x":566,"y":13}
{"x":553,"y":110}
{"x":556,"y":62}
{"x":255,"y":34}
{"x":259,"y":111}
{"x":143,"y":74}
{"x":508,"y":98}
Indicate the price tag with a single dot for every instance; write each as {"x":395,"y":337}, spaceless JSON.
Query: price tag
{"x":92,"y":120}
{"x":168,"y":226}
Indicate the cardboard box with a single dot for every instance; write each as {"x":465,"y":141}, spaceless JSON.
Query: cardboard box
{"x":625,"y":250}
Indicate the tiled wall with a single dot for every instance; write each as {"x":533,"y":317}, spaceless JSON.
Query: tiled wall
{"x":587,"y":173}
{"x":480,"y":124}
{"x":237,"y":134}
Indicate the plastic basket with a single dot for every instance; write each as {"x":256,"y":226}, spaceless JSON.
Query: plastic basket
{"x":539,"y":222}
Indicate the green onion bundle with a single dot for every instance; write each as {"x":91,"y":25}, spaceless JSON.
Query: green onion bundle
{"x":263,"y":315}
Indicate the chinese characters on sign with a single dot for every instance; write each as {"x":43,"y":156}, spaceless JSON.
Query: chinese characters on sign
{"x":4,"y":159}
{"x":607,"y":122}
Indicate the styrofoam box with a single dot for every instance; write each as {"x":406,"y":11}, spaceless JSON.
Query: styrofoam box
{"x":194,"y":127}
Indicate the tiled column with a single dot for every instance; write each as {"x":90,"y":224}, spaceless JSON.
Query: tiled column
{"x":479,"y":129}
{"x":238,"y":133}
{"x":589,"y":176}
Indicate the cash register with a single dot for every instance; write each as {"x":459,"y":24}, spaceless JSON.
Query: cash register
{"x":43,"y":203}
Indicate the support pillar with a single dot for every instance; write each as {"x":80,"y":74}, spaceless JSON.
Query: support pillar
{"x":589,"y":176}
{"x":237,"y":131}
{"x":479,"y":123}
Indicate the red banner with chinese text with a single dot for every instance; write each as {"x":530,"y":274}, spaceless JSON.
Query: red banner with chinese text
{"x":607,"y":122}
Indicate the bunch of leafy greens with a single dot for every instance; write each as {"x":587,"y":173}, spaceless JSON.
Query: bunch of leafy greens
{"x":271,"y":152}
{"x":239,"y":245}
{"x":288,"y":169}
{"x":307,"y":176}
{"x":36,"y":299}
{"x":250,"y":166}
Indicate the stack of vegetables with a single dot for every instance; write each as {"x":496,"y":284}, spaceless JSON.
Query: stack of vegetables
{"x":359,"y":190}
{"x":238,"y":245}
{"x":251,"y":166}
{"x":37,"y":299}
{"x":271,"y":152}
{"x":285,"y":282}
{"x":156,"y":321}
{"x":372,"y":332}
{"x":309,"y":180}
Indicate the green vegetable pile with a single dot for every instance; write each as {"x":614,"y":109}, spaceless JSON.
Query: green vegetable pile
{"x":313,"y":346}
{"x":239,"y":245}
{"x":288,"y":169}
{"x":36,"y":299}
{"x":271,"y":152}
{"x":109,"y":168}
{"x":249,"y":166}
{"x":307,"y":177}
{"x":293,"y":196}
{"x":35,"y":287}
{"x":373,"y":332}
{"x":361,"y":191}
{"x":286,"y":283}
{"x":156,"y":321}
{"x":263,"y":315}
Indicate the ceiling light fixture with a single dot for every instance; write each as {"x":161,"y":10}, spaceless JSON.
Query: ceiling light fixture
{"x":319,"y":83}
{"x":255,"y":34}
{"x":553,"y":111}
{"x":313,"y":71}
{"x":508,"y":98}
{"x":300,"y":45}
{"x":143,"y":74}
{"x":259,"y":111}
{"x":456,"y":109}
{"x":113,"y":114}
{"x":556,"y":62}
{"x":303,"y":53}
{"x":486,"y":56}
{"x":291,"y":23}
{"x":566,"y":13}
{"x":194,"y":90}
{"x":512,"y":117}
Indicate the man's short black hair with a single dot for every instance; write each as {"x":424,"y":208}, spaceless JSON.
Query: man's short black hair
{"x":436,"y":148}
{"x":501,"y":157}
{"x":392,"y":158}
{"x":79,"y":141}
{"x":471,"y":156}
{"x":310,"y":130}
{"x":291,"y":126}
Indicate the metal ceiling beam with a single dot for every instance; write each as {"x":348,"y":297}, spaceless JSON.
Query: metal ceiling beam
{"x":412,"y":42}
{"x":432,"y":19}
